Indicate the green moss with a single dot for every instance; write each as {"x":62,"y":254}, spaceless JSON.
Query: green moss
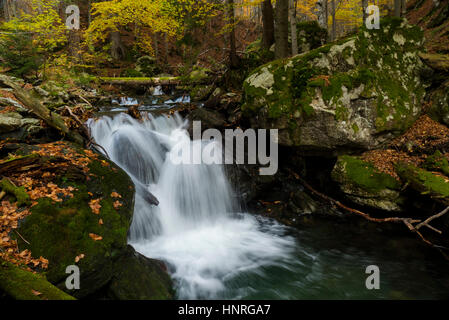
{"x":59,"y":231}
{"x":428,"y":183}
{"x":437,"y":162}
{"x":20,"y":284}
{"x":364,"y":175}
{"x":19,"y":192}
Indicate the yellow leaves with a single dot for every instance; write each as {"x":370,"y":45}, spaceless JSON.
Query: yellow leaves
{"x":147,"y":17}
{"x":79,"y":257}
{"x":95,"y":237}
{"x":95,"y":206}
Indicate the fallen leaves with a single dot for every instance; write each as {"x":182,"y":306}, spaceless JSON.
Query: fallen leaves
{"x":79,"y":257}
{"x":9,"y":217}
{"x":117,"y":204}
{"x":95,"y":205}
{"x":95,"y":237}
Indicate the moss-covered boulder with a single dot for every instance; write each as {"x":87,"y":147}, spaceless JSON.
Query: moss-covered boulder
{"x":432,"y":184}
{"x":20,"y":284}
{"x":363,"y":184}
{"x":80,"y":217}
{"x":353,"y":94}
{"x":310,"y":35}
{"x":133,"y":270}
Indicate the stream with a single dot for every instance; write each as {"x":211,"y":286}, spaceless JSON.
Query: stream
{"x":214,"y":250}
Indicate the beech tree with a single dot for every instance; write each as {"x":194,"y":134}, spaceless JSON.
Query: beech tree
{"x":281,"y":29}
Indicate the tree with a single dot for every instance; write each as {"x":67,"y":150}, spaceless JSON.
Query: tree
{"x":43,"y":24}
{"x":293,"y":27}
{"x":233,"y":59}
{"x":281,"y":29}
{"x":268,"y":24}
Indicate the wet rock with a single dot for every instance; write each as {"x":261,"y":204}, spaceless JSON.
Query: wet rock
{"x":137,"y":277}
{"x":209,"y":118}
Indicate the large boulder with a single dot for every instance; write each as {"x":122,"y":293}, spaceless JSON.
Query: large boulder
{"x":365,"y":185}
{"x":353,"y":94}
{"x":81,"y":213}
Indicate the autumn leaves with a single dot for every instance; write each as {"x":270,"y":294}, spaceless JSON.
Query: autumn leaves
{"x":95,"y":206}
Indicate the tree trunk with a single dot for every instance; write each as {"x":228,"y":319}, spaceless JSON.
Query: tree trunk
{"x":404,"y":8}
{"x":233,"y":59}
{"x":281,"y":29}
{"x":364,"y":6}
{"x":334,"y":22}
{"x":397,"y":8}
{"x":268,"y":24}
{"x":321,"y":7}
{"x":293,"y":28}
{"x":117,"y":48}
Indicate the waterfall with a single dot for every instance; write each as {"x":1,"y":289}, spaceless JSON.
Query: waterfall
{"x":197,"y":228}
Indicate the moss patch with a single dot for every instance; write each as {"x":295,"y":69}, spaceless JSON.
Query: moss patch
{"x":20,"y":284}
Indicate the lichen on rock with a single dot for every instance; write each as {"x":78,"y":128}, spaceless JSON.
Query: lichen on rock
{"x":356,"y":93}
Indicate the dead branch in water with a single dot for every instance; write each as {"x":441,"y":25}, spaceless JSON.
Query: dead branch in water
{"x":409,"y":222}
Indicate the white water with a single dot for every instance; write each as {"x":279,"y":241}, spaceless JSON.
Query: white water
{"x":197,"y":227}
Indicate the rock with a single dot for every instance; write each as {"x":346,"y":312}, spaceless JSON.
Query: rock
{"x":439,"y":62}
{"x":9,"y":123}
{"x":61,"y":231}
{"x":198,"y":74}
{"x":355,"y":94}
{"x":310,"y":35}
{"x":209,"y":118}
{"x":427,"y":183}
{"x":11,"y":102}
{"x":139,"y":278}
{"x":201,"y":92}
{"x":19,"y":284}
{"x":366,"y":186}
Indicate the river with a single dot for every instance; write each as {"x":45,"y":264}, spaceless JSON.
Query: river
{"x":213,"y":250}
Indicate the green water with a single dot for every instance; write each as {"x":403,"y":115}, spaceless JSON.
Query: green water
{"x":331,"y":260}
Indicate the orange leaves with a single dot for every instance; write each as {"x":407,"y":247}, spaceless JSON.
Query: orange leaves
{"x":95,"y":205}
{"x":36,"y":293}
{"x":79,"y":257}
{"x":117,"y":204}
{"x":115,"y":195}
{"x":100,"y":222}
{"x":9,"y":217}
{"x":95,"y":237}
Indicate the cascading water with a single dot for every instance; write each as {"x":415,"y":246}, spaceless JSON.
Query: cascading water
{"x":215,"y":251}
{"x":197,"y":227}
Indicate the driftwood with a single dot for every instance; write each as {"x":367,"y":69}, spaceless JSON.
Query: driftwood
{"x":42,"y":112}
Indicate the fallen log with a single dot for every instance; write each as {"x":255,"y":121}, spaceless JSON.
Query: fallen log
{"x":42,"y":112}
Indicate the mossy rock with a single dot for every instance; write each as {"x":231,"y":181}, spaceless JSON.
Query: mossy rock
{"x":20,"y":284}
{"x":139,"y":278}
{"x":201,"y":92}
{"x":59,"y":231}
{"x":310,"y":35}
{"x":356,"y":93}
{"x":435,"y":186}
{"x":363,"y":184}
{"x":437,"y":162}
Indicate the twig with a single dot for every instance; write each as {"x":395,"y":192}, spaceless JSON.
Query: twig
{"x":85,"y":100}
{"x":21,"y":236}
{"x":426,"y":222}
